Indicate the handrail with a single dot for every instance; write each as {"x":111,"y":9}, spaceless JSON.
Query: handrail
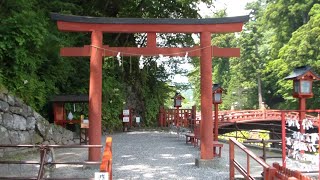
{"x":268,"y":171}
{"x":106,"y":163}
{"x":287,"y":174}
{"x":263,"y":141}
{"x":43,"y":152}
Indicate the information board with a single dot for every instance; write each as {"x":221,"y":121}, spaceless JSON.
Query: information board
{"x":125,"y":119}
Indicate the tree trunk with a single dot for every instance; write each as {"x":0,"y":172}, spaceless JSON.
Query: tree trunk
{"x":260,"y":92}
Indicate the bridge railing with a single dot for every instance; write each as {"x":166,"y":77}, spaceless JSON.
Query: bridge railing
{"x":268,"y":171}
{"x":283,"y":173}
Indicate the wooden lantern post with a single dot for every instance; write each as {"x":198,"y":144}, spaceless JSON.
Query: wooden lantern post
{"x":216,"y":100}
{"x":177,"y":103}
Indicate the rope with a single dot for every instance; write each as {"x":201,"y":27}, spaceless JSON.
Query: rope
{"x":133,"y":54}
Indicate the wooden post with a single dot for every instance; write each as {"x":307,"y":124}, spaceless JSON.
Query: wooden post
{"x":206,"y":134}
{"x":95,"y":95}
{"x":58,"y":113}
{"x":283,"y":138}
{"x":319,"y":146}
{"x":302,"y":113}
{"x":231,"y":160}
{"x":264,"y":150}
{"x":216,"y":121}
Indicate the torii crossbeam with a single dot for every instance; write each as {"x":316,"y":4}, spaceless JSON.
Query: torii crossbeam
{"x":99,"y":25}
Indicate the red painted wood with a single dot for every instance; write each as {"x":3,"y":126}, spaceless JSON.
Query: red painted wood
{"x":268,"y":171}
{"x":96,"y":51}
{"x":216,"y":121}
{"x":141,"y":28}
{"x":302,"y":113}
{"x":149,"y":51}
{"x":106,"y":163}
{"x":319,"y":136}
{"x":58,"y":112}
{"x":206,"y":134}
{"x":283,"y":138}
{"x":95,"y":96}
{"x":151,"y":39}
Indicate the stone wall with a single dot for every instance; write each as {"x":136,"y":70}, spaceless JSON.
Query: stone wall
{"x":20,"y":124}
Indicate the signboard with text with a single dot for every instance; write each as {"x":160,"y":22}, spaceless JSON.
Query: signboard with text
{"x":125,"y":119}
{"x":101,"y":176}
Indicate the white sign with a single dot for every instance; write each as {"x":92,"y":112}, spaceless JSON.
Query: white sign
{"x":101,"y":176}
{"x":126,"y":112}
{"x":125,"y":119}
{"x":86,"y":121}
{"x":137,"y":119}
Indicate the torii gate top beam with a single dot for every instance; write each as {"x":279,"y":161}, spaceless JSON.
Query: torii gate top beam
{"x":139,"y":25}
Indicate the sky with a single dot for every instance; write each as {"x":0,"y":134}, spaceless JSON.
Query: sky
{"x":234,"y":8}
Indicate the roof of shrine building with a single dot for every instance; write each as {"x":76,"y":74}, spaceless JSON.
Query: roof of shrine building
{"x":185,"y":21}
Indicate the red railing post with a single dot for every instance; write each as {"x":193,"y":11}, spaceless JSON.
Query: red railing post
{"x":283,"y":138}
{"x":231,"y":160}
{"x":319,"y":146}
{"x":106,"y":164}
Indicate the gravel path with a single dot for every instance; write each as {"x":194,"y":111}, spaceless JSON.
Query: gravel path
{"x":159,"y":155}
{"x":142,"y":155}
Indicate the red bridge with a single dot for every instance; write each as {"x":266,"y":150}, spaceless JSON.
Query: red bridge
{"x":232,"y":120}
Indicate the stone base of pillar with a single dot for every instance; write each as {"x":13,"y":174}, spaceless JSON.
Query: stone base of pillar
{"x":208,"y":163}
{"x":91,"y":167}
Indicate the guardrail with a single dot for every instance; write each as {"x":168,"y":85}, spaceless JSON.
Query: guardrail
{"x":106,"y":164}
{"x":44,"y":150}
{"x":264,"y":142}
{"x":268,"y":171}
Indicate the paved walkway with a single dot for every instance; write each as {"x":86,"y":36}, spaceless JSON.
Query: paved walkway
{"x":142,"y":155}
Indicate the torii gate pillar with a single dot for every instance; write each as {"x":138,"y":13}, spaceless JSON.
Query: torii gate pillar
{"x":95,"y":95}
{"x":206,"y":134}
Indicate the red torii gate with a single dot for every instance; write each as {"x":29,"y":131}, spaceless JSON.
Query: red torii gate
{"x":98,"y":25}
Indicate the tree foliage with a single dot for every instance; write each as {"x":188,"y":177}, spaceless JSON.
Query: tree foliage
{"x":32,"y":69}
{"x":280,"y":36}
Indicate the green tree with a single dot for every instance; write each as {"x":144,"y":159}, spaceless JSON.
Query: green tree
{"x":302,"y":49}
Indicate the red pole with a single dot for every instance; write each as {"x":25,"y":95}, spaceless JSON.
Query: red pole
{"x":206,"y":133}
{"x":283,"y":138}
{"x":95,"y":94}
{"x":302,"y":115}
{"x":176,"y":117}
{"x":216,"y":121}
{"x":319,"y":146}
